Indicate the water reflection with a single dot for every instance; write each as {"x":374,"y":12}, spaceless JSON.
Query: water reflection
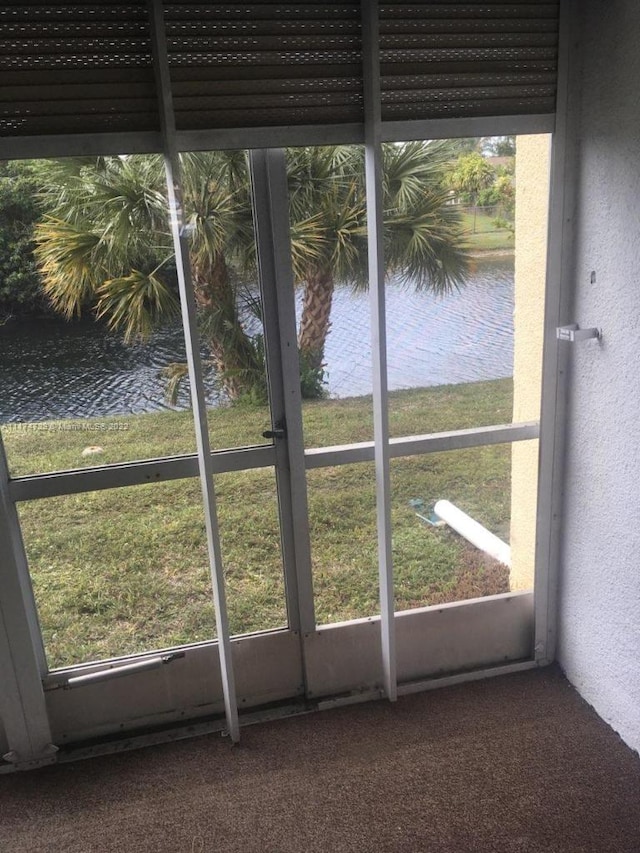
{"x":466,"y":336}
{"x":57,"y":370}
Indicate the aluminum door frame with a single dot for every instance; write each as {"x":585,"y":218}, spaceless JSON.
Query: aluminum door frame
{"x":19,"y":649}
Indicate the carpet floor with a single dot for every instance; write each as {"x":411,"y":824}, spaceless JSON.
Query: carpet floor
{"x":517,"y":764}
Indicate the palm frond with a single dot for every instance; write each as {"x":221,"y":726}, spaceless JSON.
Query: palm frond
{"x":135,"y":303}
{"x":424,"y":249}
{"x":70,"y":267}
{"x":310,"y":245}
{"x":174,"y":375}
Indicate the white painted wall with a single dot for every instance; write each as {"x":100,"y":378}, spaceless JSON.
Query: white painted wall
{"x":599,"y":618}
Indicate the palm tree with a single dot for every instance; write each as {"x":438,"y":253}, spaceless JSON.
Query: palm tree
{"x":421,"y":230}
{"x":104,"y":243}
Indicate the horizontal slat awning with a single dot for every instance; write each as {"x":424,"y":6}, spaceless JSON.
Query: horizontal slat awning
{"x":467,"y":59}
{"x":265,"y":65}
{"x":76,"y":69}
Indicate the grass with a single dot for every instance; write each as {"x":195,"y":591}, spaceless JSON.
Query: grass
{"x":485,"y":237}
{"x":125,"y":570}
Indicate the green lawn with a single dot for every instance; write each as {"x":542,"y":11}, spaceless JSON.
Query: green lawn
{"x":483,"y":236}
{"x":125,"y":570}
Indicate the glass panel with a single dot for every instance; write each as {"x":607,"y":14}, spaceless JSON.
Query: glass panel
{"x":119,"y":571}
{"x":342,"y":521}
{"x":433,"y":562}
{"x":451,"y":295}
{"x":329,"y":245}
{"x":126,"y":570}
{"x":462,"y":343}
{"x":219,"y":219}
{"x":57,"y":445}
{"x":251,"y":552}
{"x":91,"y":325}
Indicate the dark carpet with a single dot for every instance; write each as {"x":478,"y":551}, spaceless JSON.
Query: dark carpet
{"x":517,"y":763}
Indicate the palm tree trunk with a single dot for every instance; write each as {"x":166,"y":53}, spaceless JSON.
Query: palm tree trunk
{"x":316,"y":318}
{"x":229,"y":381}
{"x":232,"y":353}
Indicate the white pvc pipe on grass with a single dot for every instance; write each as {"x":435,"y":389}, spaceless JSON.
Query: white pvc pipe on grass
{"x":473,"y":531}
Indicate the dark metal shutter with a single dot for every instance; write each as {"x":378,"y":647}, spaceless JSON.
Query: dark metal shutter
{"x":263,"y":64}
{"x":75,"y":67}
{"x":454,"y":59}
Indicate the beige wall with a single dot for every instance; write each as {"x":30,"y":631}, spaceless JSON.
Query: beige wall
{"x":532,"y":196}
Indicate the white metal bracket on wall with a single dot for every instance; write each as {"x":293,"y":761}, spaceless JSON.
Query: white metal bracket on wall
{"x":572,"y":333}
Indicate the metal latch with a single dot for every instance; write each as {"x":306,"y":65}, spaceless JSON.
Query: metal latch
{"x":279,"y":430}
{"x":573,"y":332}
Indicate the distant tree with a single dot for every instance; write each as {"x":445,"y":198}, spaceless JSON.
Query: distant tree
{"x":469,"y":144}
{"x":501,"y":146}
{"x":20,"y":283}
{"x":500,"y":194}
{"x":468,"y":176}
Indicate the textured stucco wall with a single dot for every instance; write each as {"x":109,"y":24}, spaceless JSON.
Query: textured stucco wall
{"x":532,"y":202}
{"x":599,"y":616}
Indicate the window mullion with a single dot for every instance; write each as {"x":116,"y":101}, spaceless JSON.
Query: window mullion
{"x":188,"y":306}
{"x":23,"y":711}
{"x":271,"y":213}
{"x":373,"y":175}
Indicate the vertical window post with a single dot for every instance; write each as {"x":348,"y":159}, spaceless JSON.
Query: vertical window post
{"x":373,"y":174}
{"x":188,"y":305}
{"x":23,"y":710}
{"x":555,"y":359}
{"x":271,"y":217}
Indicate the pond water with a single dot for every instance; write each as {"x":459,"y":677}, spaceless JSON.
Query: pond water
{"x":60,"y":370}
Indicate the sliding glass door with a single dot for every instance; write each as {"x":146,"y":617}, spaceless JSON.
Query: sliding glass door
{"x":112,"y":553}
